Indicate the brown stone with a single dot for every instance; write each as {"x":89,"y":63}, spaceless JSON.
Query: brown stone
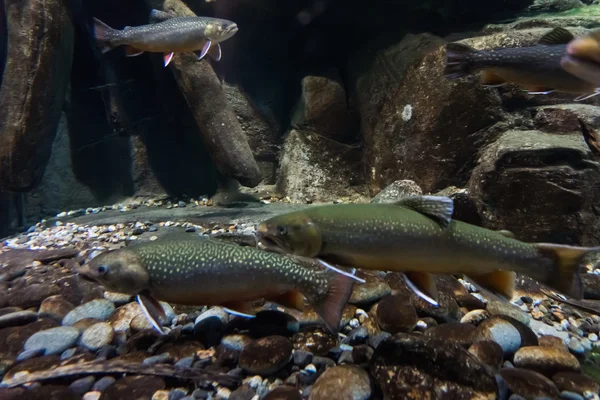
{"x":528,"y":384}
{"x":546,"y":360}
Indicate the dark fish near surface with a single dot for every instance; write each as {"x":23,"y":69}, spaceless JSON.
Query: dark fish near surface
{"x":583,"y":57}
{"x":418,"y":237}
{"x":168,"y":34}
{"x":202,"y":271}
{"x":536,"y":68}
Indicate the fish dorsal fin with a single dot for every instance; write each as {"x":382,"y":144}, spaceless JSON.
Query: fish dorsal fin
{"x":437,"y":207}
{"x":557,"y":36}
{"x":159,"y":16}
{"x":506,"y":233}
{"x":152,"y":310}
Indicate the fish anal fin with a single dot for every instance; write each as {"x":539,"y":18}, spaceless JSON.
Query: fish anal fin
{"x":159,"y":16}
{"x":490,"y":78}
{"x":132,"y":51}
{"x":167,"y":58}
{"x":567,"y":261}
{"x":437,"y":207}
{"x":330,"y":305}
{"x":425,"y":282}
{"x":500,"y":282}
{"x":152,"y":310}
{"x":291,"y":299}
{"x":557,"y":36}
{"x":215,"y":52}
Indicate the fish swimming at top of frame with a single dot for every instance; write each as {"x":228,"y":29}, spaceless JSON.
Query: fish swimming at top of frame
{"x":536,"y":68}
{"x":582,"y":58}
{"x":168,"y":34}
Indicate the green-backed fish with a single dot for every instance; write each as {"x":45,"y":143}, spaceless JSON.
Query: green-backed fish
{"x":168,"y":34}
{"x":536,"y":68}
{"x":418,"y":237}
{"x":206,"y":271}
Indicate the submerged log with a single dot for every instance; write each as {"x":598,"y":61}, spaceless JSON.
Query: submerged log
{"x":215,"y":117}
{"x":38,"y":66}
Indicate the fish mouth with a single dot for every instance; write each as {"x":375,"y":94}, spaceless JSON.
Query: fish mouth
{"x":270,"y":243}
{"x":84,"y":273}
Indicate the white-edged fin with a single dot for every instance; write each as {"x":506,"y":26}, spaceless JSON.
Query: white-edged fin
{"x":339,"y":271}
{"x":204,"y":50}
{"x":587,"y":96}
{"x":167,"y":58}
{"x":545,"y":92}
{"x":238,"y":313}
{"x":418,"y":292}
{"x":215,"y":52}
{"x":439,"y":208}
{"x":146,"y":307}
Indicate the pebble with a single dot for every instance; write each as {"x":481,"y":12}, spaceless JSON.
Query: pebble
{"x":27,"y":354}
{"x":453,"y":332}
{"x":502,"y":308}
{"x":396,"y":314}
{"x":374,"y":341}
{"x":56,"y":307}
{"x":488,"y":352}
{"x":160,"y":395}
{"x":575,"y":382}
{"x":525,"y":383}
{"x":475,"y":317}
{"x":576,"y":346}
{"x":103,"y":383}
{"x":95,"y":395}
{"x":242,"y":393}
{"x":266,"y":356}
{"x":83,"y":385}
{"x":68,"y":353}
{"x":546,"y":360}
{"x":218,"y":312}
{"x":53,"y":340}
{"x":302,"y":358}
{"x":369,"y":292}
{"x":236,"y":342}
{"x":157,"y":359}
{"x":99,"y":308}
{"x":543,"y":329}
{"x":502,"y":332}
{"x":117,"y":298}
{"x":593,"y":337}
{"x":342,"y":382}
{"x":97,"y":336}
{"x":17,"y":318}
{"x":138,"y":323}
{"x":122,"y":317}
{"x":571,"y":395}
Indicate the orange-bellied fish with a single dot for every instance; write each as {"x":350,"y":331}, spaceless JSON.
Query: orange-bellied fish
{"x":418,"y":237}
{"x":535,"y":68}
{"x":583,"y":57}
{"x":206,"y":271}
{"x":168,"y":34}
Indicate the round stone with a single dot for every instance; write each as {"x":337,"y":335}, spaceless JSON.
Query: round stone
{"x":342,"y":382}
{"x":266,"y":356}
{"x":99,"y":309}
{"x":97,"y":336}
{"x":53,"y":340}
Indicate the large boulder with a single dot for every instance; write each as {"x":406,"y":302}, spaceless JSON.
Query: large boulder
{"x":539,"y":185}
{"x":38,"y":66}
{"x":418,"y":125}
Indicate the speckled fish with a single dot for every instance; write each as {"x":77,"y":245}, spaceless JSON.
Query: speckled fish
{"x":582,"y":58}
{"x":201,"y":271}
{"x":418,"y":237}
{"x":536,"y":68}
{"x":168,"y":34}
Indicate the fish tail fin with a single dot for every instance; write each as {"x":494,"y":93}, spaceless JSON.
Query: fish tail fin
{"x":567,"y":261}
{"x":458,"y":60}
{"x":104,"y":35}
{"x":330,"y":305}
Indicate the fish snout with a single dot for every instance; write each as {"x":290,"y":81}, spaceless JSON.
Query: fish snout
{"x":85,"y":272}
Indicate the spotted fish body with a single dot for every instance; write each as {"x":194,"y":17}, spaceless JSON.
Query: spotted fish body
{"x":401,"y":237}
{"x":201,"y":271}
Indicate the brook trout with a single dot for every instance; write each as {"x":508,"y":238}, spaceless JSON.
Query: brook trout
{"x":418,"y":237}
{"x":204,"y":271}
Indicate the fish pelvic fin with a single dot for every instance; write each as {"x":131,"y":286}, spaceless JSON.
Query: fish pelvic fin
{"x":458,"y":60}
{"x":132,"y":51}
{"x":439,"y":208}
{"x":215,"y":52}
{"x":152,"y":310}
{"x":500,"y":282}
{"x":330,"y":305}
{"x":586,"y":96}
{"x":489,"y":78}
{"x":423,"y":285}
{"x":104,"y":35}
{"x":291,"y":299}
{"x":567,"y":260}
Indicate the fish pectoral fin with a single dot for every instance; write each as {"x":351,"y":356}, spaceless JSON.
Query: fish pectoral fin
{"x":500,"y":282}
{"x":423,"y":284}
{"x":556,"y":36}
{"x":291,"y":299}
{"x":567,"y":261}
{"x":489,"y":78}
{"x":586,"y":96}
{"x":506,"y":233}
{"x":132,"y":51}
{"x":215,"y":52}
{"x":204,"y":50}
{"x":167,"y":58}
{"x":152,"y":310}
{"x":437,"y":207}
{"x":159,"y":16}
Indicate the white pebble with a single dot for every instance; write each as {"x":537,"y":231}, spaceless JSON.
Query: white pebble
{"x":593,"y":337}
{"x":310,"y":368}
{"x":223,"y":393}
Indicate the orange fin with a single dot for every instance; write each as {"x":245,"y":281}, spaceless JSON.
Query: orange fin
{"x":132,"y":51}
{"x":425,"y":283}
{"x":489,"y":78}
{"x":241,"y":308}
{"x":152,"y":310}
{"x":500,"y":282}
{"x":291,"y":299}
{"x":167,"y":58}
{"x":567,"y":260}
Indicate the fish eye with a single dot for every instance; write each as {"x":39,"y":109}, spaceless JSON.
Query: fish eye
{"x":102,"y":269}
{"x":281,"y":230}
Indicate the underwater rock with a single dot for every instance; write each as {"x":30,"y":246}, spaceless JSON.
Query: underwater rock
{"x":317,"y":169}
{"x":396,"y":191}
{"x":217,"y":122}
{"x":417,"y":124}
{"x":323,"y":108}
{"x":541,"y":172}
{"x":38,"y":68}
{"x":545,"y":6}
{"x":342,"y":382}
{"x":563,"y":118}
